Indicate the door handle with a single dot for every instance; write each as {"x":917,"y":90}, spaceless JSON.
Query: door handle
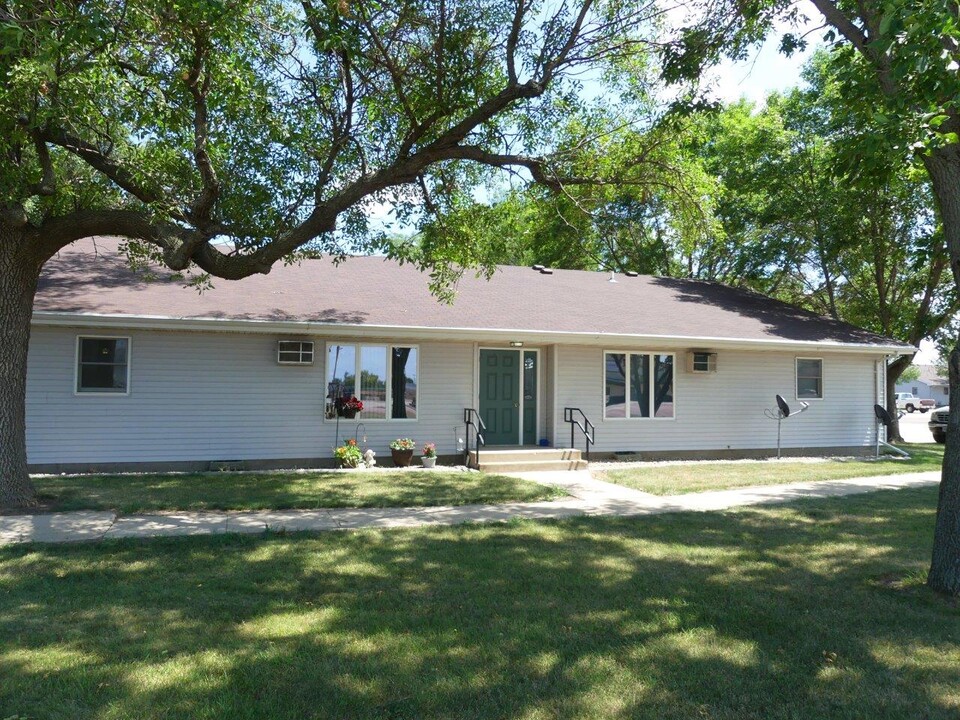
{"x":516,"y":404}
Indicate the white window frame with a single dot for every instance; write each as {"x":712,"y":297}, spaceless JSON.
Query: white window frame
{"x":651,"y":377}
{"x":301,"y":362}
{"x":76,"y":366}
{"x":796,"y":379}
{"x":357,"y":369}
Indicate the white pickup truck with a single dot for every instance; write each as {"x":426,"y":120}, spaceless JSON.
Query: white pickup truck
{"x":938,"y":424}
{"x":910,"y":402}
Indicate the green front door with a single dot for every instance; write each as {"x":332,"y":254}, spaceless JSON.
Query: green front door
{"x":500,"y":396}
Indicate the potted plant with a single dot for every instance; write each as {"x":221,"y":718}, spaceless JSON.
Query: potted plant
{"x":348,"y":407}
{"x":348,"y":455}
{"x":402,"y":451}
{"x":428,"y":456}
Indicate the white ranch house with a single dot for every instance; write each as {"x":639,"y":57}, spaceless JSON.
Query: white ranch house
{"x":131,"y":370}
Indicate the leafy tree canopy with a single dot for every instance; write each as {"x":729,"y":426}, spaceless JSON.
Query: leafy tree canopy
{"x":272,"y":124}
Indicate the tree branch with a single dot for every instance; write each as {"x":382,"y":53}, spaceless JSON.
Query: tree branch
{"x":58,"y":232}
{"x":48,"y":181}
{"x":101,"y":162}
{"x":199,"y":89}
{"x":860,"y":40}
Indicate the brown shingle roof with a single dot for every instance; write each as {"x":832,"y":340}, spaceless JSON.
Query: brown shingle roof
{"x":376,"y":292}
{"x":930,"y":376}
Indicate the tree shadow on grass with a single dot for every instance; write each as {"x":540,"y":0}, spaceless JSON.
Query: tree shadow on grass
{"x":774,"y":613}
{"x":129,"y":494}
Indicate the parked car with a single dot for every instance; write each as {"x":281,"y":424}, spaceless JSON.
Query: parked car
{"x":910,"y":402}
{"x":938,"y":424}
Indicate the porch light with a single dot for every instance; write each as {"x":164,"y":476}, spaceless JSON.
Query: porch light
{"x":516,"y":343}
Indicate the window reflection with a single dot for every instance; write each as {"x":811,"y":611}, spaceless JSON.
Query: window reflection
{"x":615,"y":386}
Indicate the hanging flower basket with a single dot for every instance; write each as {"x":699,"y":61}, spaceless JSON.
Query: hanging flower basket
{"x":348,"y":407}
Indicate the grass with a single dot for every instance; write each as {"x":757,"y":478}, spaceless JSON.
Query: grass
{"x":700,"y":477}
{"x":128,"y":494}
{"x":811,"y":610}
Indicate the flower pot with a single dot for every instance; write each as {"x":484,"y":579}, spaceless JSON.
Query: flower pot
{"x":429,"y":462}
{"x":348,"y":413}
{"x":401,"y":458}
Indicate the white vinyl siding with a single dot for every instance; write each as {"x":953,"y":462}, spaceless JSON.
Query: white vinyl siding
{"x":724,"y":410}
{"x":222,"y":396}
{"x":206,"y":396}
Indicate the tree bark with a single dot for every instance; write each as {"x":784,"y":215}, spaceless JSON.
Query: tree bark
{"x":19,"y":273}
{"x":943,"y":165}
{"x":894,"y":371}
{"x":944,"y":573}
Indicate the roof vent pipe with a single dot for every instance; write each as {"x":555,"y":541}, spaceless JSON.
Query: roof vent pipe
{"x":546,"y":271}
{"x":631,"y":273}
{"x":538,"y":267}
{"x":613,"y":277}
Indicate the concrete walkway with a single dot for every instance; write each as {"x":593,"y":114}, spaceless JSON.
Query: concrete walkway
{"x":588,"y":497}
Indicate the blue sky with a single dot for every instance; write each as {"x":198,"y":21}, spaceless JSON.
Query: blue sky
{"x":765,"y":71}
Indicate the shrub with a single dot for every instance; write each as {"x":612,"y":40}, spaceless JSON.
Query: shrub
{"x":348,"y":455}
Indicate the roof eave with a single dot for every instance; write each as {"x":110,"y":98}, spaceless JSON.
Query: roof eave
{"x":467,"y":334}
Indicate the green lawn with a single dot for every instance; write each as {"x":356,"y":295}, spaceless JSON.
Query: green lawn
{"x":699,"y":477}
{"x":129,"y":494}
{"x":814,"y":610}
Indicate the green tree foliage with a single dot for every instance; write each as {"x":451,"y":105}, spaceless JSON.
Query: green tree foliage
{"x":856,"y":241}
{"x":271,"y":125}
{"x":910,"y":374}
{"x":652,"y":213}
{"x":907,"y":54}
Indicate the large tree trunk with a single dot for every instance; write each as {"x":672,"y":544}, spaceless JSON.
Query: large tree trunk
{"x":894,"y":371}
{"x":943,"y":165}
{"x":19,"y":272}
{"x":945,"y":566}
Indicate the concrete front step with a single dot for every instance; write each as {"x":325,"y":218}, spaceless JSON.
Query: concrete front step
{"x":500,"y":460}
{"x":531,"y":465}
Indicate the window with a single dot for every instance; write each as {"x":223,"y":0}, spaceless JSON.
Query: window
{"x":638,"y":385}
{"x":809,"y":378}
{"x":701,"y":362}
{"x":916,"y":390}
{"x":294,"y":352}
{"x":387,"y":384}
{"x":103,"y":365}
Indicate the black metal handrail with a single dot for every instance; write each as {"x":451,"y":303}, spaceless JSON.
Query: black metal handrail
{"x":472,"y":419}
{"x":586,"y":427}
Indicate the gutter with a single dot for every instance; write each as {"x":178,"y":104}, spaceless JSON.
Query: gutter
{"x":406,"y":332}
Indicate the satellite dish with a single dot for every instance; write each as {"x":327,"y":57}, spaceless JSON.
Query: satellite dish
{"x":784,"y":408}
{"x":882,"y":415}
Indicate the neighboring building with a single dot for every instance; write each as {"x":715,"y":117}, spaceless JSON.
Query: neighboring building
{"x":929,"y":386}
{"x":132,"y":370}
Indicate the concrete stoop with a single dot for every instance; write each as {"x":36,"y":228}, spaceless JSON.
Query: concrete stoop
{"x":528,"y":460}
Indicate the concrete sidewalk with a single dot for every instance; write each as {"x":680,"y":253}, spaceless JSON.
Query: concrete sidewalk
{"x":588,"y":497}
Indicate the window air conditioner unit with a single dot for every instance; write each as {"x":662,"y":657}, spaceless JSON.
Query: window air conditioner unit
{"x":701,"y":361}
